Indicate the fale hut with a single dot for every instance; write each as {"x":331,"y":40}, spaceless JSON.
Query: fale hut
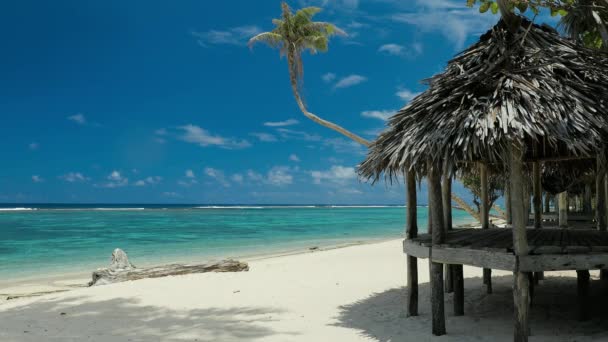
{"x":512,"y":101}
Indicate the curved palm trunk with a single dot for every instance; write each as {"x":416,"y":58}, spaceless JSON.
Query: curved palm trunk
{"x":461,"y":203}
{"x":291,"y":59}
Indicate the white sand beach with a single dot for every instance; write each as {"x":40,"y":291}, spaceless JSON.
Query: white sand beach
{"x":348,"y":294}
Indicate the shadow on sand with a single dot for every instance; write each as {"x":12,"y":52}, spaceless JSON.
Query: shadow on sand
{"x":76,"y":319}
{"x":381,"y":317}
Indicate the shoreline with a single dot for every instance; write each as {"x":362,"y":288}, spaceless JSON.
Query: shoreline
{"x":348,"y":293}
{"x":36,"y":286}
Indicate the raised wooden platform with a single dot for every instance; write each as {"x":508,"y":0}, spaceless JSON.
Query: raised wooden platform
{"x":550,"y":249}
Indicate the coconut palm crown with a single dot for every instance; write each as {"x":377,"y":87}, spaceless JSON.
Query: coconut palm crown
{"x":296,"y":33}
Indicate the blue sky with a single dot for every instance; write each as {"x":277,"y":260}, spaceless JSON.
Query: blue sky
{"x":159,"y":101}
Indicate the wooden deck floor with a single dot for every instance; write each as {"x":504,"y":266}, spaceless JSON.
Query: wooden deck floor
{"x":550,"y":249}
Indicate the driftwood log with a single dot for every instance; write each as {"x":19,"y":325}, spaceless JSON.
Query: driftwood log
{"x":122,"y":270}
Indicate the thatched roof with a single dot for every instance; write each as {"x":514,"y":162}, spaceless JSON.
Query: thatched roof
{"x":533,"y":86}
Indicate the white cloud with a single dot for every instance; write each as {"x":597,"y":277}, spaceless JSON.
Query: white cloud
{"x":294,"y":158}
{"x":197,"y":135}
{"x":406,"y":94}
{"x":279,"y":176}
{"x":217,"y":175}
{"x":378,"y":114}
{"x":33,"y":146}
{"x":116,"y":180}
{"x":237,"y":178}
{"x":190,"y":174}
{"x":288,"y":122}
{"x":392,"y":49}
{"x":298,"y":135}
{"x":152,"y":180}
{"x":254,"y":176}
{"x":450,"y":18}
{"x":115,"y":176}
{"x":336,"y":174}
{"x":37,"y":179}
{"x":350,"y":81}
{"x":342,"y":145}
{"x":74,"y":177}
{"x":343,"y":5}
{"x":328,"y":77}
{"x":264,"y":137}
{"x":276,"y":176}
{"x":233,"y":36}
{"x":78,"y":118}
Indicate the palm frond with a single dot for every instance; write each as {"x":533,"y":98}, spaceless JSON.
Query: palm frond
{"x":271,"y":39}
{"x":304,"y":15}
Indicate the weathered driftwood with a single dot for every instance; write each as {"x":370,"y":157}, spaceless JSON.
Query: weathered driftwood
{"x":122,"y":270}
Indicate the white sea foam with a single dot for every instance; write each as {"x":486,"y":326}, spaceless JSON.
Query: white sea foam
{"x":227,"y":207}
{"x":365,"y":206}
{"x":17,"y":209}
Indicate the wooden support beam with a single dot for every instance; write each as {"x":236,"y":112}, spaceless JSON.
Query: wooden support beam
{"x":547,"y":208}
{"x":600,"y":207}
{"x":582,"y":282}
{"x":485,"y":217}
{"x":484,"y":200}
{"x":563,"y":209}
{"x":438,"y":237}
{"x":508,"y":203}
{"x":538,"y":195}
{"x":520,"y":243}
{"x":587,"y":199}
{"x":411,"y":233}
{"x":412,"y":286}
{"x":446,"y":195}
{"x":538,"y":218}
{"x":458,"y":279}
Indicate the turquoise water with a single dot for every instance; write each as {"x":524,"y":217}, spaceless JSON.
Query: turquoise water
{"x":54,"y":240}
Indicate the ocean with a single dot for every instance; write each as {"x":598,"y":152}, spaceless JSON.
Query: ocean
{"x":43,"y":240}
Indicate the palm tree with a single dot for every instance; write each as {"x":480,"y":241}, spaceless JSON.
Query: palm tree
{"x":294,"y":34}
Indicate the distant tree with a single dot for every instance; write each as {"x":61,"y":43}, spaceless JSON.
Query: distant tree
{"x":583,"y":20}
{"x":472,"y":181}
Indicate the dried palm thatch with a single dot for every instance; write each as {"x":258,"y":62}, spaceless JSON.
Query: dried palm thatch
{"x":532,"y":86}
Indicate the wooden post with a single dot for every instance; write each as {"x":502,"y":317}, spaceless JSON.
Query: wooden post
{"x":458,"y":280}
{"x":485,"y":210}
{"x":521,"y":294}
{"x":600,"y":207}
{"x":547,"y":208}
{"x":508,"y":203}
{"x":582,"y":282}
{"x":485,"y":218}
{"x":602,"y":202}
{"x":438,"y":237}
{"x":537,"y":200}
{"x":429,"y":224}
{"x":446,"y":195}
{"x":411,"y":233}
{"x":562,"y":197}
{"x":538,"y":195}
